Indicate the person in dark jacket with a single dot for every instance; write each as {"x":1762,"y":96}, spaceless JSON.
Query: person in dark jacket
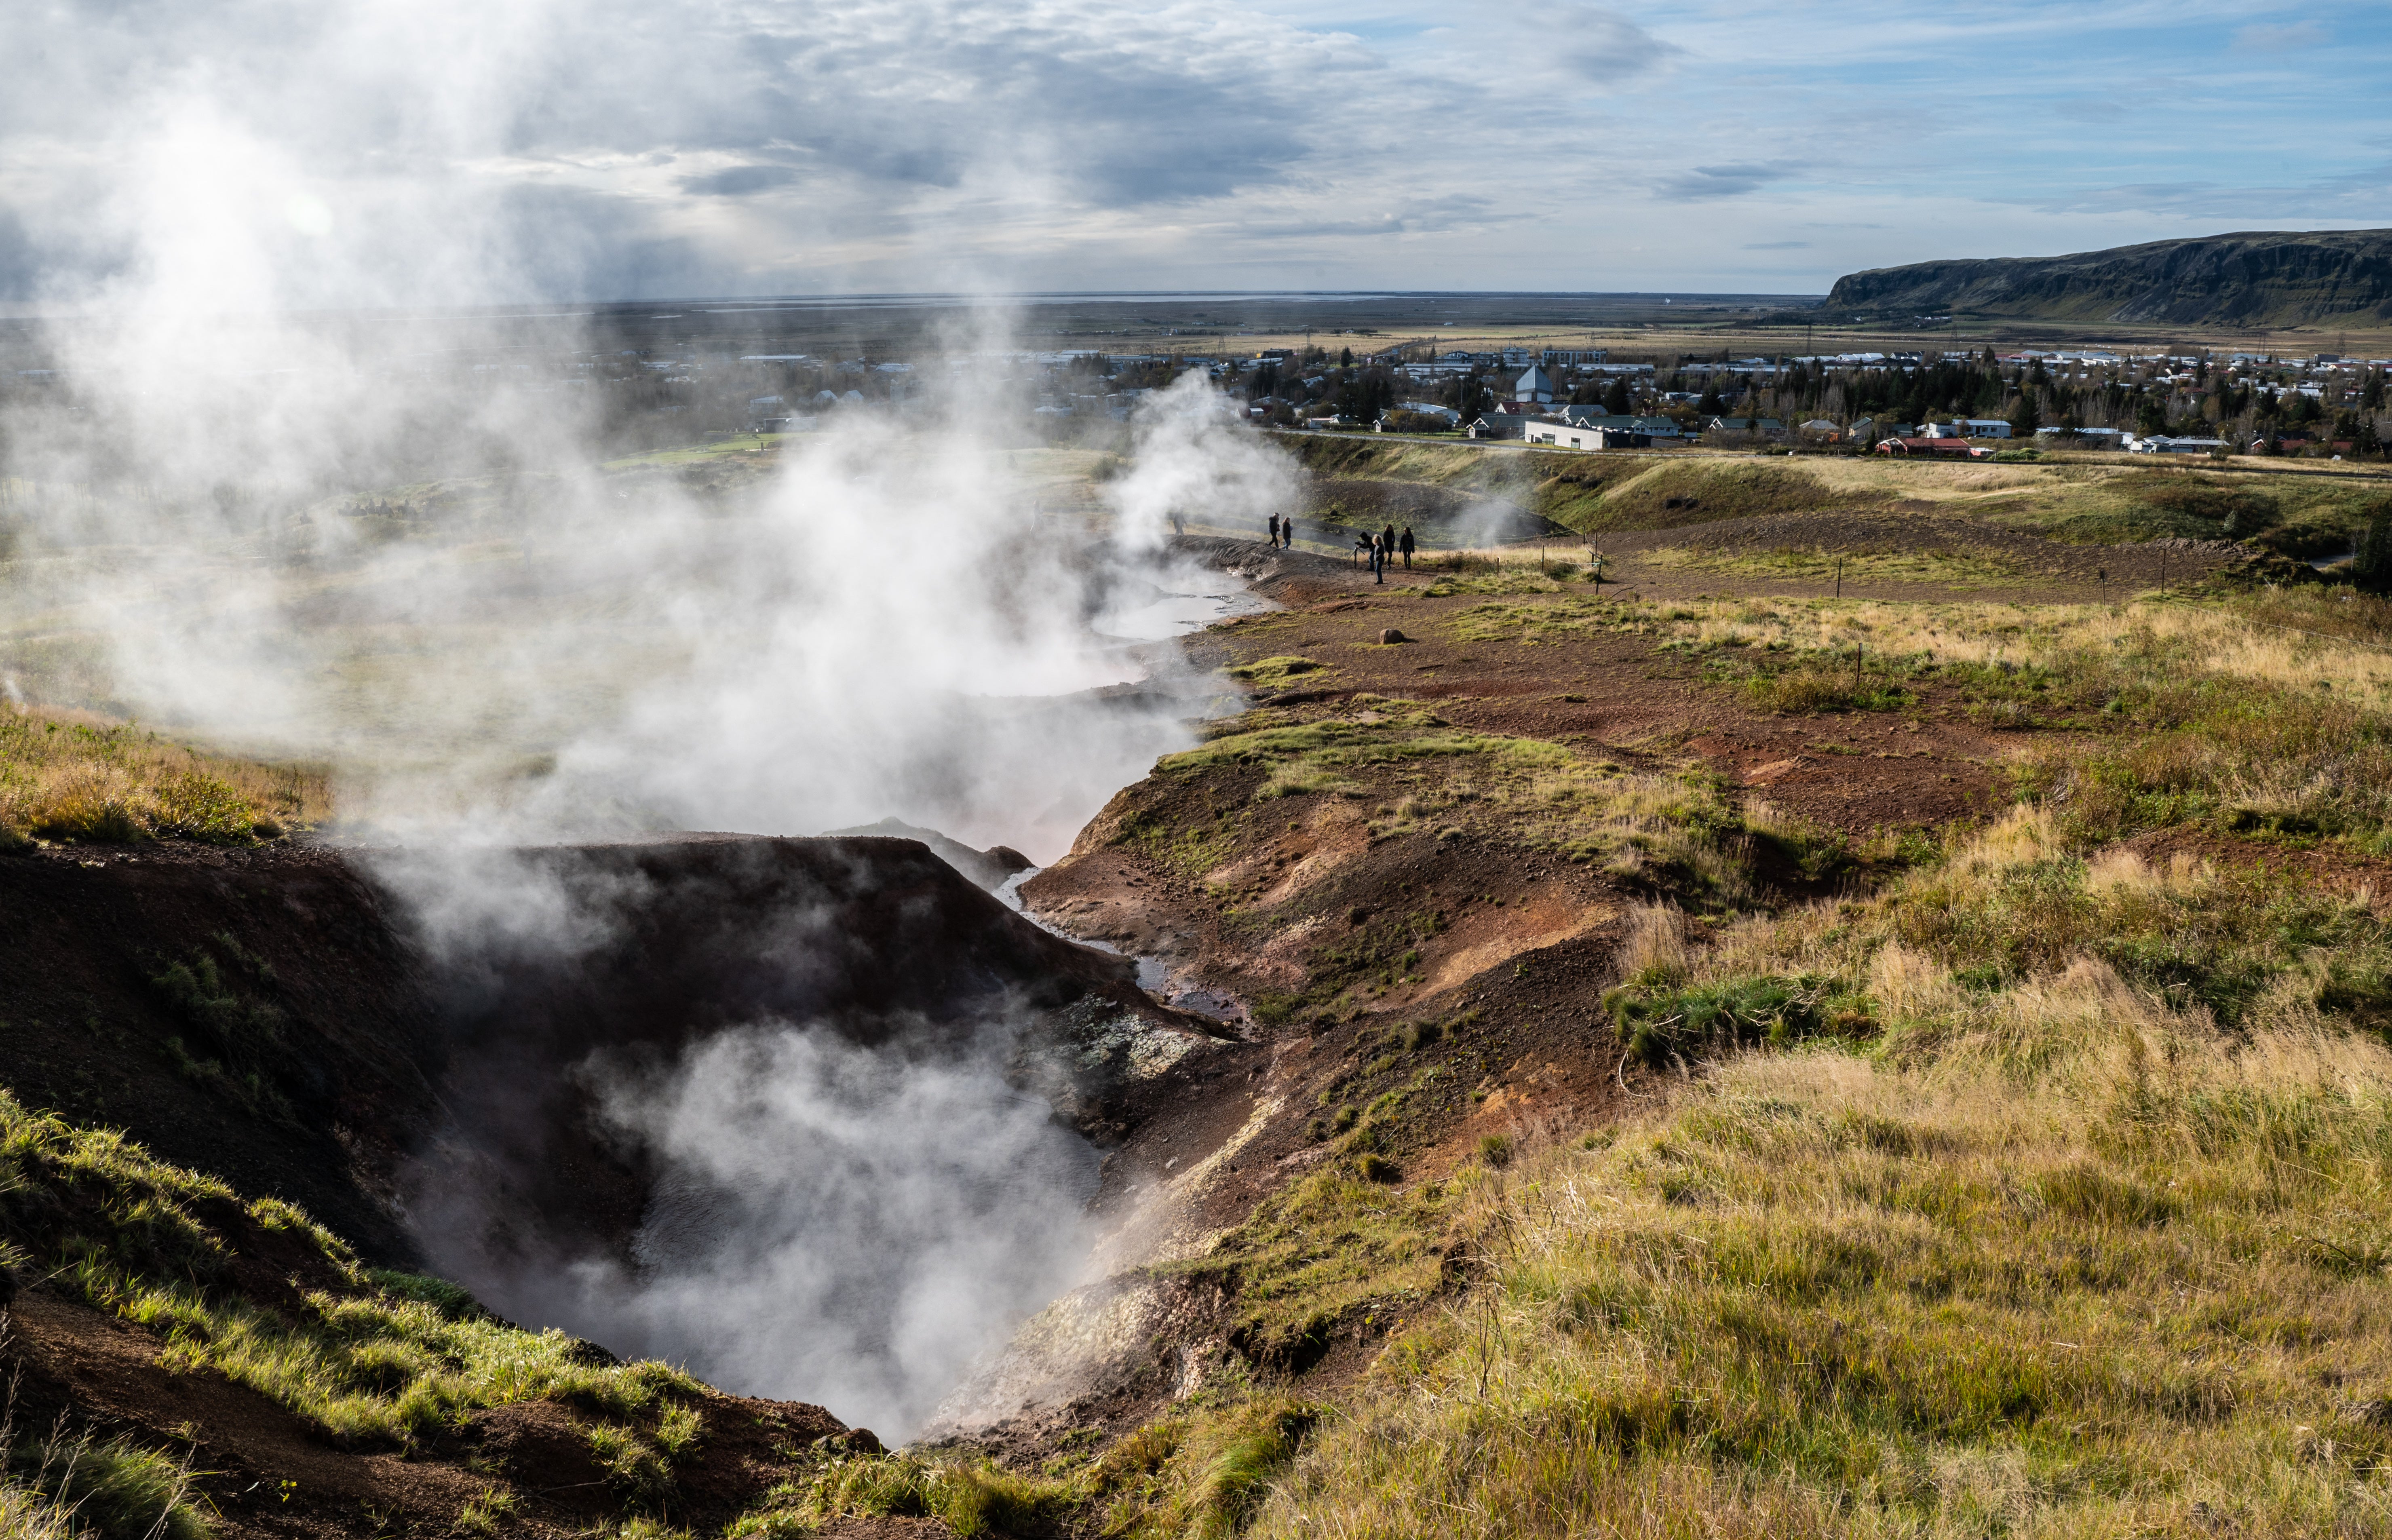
{"x":1406,"y":546}
{"x":1274,"y":531}
{"x":1378,"y":559}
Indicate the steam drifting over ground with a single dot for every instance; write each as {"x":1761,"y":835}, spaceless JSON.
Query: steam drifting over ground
{"x":386,"y":542}
{"x":846,"y":1224}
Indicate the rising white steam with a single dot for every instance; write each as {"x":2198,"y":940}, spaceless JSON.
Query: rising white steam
{"x":1197,"y":462}
{"x":849,"y":1225}
{"x":385,"y":541}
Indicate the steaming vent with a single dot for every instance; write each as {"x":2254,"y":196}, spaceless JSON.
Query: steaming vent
{"x":818,"y":1119}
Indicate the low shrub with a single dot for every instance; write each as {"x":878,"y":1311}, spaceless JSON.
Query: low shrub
{"x":1658,"y":1026}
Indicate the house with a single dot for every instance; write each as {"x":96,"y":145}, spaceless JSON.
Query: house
{"x":1430,"y":408}
{"x":1498,"y":425}
{"x":1564,"y":434}
{"x":1766,"y":427}
{"x":1819,"y":427}
{"x":1536,"y":386}
{"x":2159,"y":444}
{"x":1967,"y":427}
{"x":1944,"y":448}
{"x":2096,"y":439}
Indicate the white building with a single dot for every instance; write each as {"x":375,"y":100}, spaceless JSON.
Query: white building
{"x":1535,"y":385}
{"x":1563,"y":434}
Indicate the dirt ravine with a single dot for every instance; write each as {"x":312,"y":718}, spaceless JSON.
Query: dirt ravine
{"x":387,"y":1068}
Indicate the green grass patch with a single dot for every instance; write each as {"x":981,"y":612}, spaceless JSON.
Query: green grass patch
{"x":1277,"y":672}
{"x":367,"y":1362}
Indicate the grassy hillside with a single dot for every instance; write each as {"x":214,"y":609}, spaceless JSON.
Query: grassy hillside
{"x":2302,"y":512}
{"x":2251,"y":279}
{"x":252,"y":1295}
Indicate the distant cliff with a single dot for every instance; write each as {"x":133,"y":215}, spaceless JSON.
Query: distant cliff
{"x":2253,"y":278}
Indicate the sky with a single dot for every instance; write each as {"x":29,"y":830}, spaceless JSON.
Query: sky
{"x":277,"y":154}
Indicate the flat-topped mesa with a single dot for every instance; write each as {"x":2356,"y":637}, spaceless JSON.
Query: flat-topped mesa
{"x":2246,"y":278}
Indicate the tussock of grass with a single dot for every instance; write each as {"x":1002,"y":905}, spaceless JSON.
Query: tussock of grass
{"x":971,"y":1499}
{"x":1662,"y":1026}
{"x":367,"y":1362}
{"x":75,"y":1484}
{"x":1276,"y":672}
{"x":26,"y":1514}
{"x":70,"y":776}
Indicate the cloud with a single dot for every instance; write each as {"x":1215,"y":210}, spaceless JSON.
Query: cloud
{"x":2359,"y":196}
{"x":2283,"y":39}
{"x":1724,"y":181}
{"x":738,"y":181}
{"x":1592,"y":45}
{"x":1775,"y":245}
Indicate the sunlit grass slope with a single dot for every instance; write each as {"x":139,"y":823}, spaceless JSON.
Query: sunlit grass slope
{"x":72,"y":775}
{"x":368,"y":1358}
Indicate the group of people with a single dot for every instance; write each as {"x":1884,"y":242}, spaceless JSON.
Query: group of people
{"x":1380,"y":550}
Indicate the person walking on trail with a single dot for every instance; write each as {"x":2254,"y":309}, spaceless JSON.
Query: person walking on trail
{"x":1406,"y":546}
{"x":1274,"y":531}
{"x":1361,"y":549}
{"x":1378,"y":560}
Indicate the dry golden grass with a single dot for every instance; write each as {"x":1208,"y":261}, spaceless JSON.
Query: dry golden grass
{"x":2061,"y":1258}
{"x":72,"y":775}
{"x":2197,"y":638}
{"x":2088,"y":1240}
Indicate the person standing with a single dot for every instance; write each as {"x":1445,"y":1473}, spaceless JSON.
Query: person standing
{"x":1405,"y":546}
{"x":1388,"y":543}
{"x":1378,"y":560}
{"x":1274,"y":531}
